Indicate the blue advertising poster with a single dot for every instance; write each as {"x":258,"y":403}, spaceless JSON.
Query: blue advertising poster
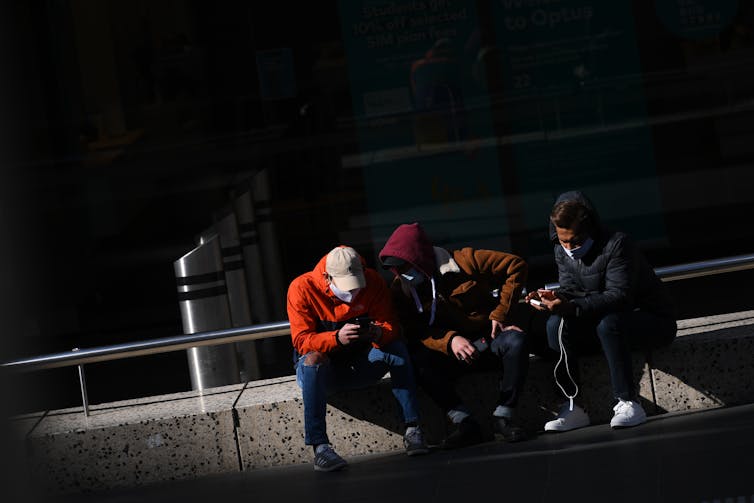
{"x":427,"y":151}
{"x":576,"y":107}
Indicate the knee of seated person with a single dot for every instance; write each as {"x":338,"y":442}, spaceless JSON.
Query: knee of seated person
{"x":553,"y":323}
{"x":512,"y":340}
{"x":398,"y":353}
{"x":611,"y":321}
{"x":316,"y":358}
{"x":396,"y":348}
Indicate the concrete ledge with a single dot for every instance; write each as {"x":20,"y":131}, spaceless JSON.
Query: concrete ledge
{"x":192,"y":434}
{"x":134,"y":442}
{"x":710,"y":365}
{"x":271,"y":425}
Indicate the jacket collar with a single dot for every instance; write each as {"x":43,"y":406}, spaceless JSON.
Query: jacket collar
{"x":445,"y":262}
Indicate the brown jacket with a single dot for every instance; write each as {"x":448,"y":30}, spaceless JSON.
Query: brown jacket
{"x":472,"y":288}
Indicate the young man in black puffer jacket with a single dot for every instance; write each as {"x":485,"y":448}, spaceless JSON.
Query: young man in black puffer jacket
{"x":610,"y":298}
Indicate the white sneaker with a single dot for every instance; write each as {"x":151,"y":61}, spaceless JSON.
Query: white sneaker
{"x":628,"y":413}
{"x":568,"y":419}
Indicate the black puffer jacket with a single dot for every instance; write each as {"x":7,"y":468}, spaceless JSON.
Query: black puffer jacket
{"x":613,"y":276}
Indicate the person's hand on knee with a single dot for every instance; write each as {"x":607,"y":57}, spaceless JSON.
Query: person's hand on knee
{"x":463,"y":349}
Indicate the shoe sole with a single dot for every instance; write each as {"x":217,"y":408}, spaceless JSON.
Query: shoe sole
{"x":628,"y":425}
{"x":331,"y":469}
{"x":417,"y":452}
{"x":562,"y":430}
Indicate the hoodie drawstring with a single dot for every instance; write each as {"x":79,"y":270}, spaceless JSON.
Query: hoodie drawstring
{"x":419,"y":304}
{"x":434,"y":301}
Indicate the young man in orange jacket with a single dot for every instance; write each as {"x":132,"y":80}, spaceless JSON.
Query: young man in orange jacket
{"x":344,"y":337}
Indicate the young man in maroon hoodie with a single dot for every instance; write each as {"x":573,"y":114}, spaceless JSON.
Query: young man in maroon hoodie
{"x":455,"y":309}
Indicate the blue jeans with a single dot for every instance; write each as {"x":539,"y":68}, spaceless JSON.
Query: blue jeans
{"x":616,"y":334}
{"x":347,"y":370}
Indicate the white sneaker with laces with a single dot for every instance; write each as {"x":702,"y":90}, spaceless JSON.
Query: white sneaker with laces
{"x":568,"y":419}
{"x":628,"y":413}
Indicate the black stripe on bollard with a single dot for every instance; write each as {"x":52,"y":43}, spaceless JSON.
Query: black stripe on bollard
{"x":249,"y":240}
{"x":234,"y":265}
{"x":248,"y":227}
{"x":204,"y":293}
{"x":200,"y":278}
{"x":231,"y":250}
{"x":263,"y":211}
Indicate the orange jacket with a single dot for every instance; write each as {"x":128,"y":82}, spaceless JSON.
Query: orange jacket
{"x":316,"y":314}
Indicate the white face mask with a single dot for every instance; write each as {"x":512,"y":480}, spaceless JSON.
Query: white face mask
{"x":413,"y":277}
{"x":345,"y":295}
{"x":579,"y":252}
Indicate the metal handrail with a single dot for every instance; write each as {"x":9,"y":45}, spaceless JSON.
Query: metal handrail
{"x":705,"y":267}
{"x":80,"y":357}
{"x":696,"y":269}
{"x":280,"y":328}
{"x":150,"y":346}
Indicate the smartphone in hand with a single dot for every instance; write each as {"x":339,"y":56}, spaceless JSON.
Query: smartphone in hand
{"x":480,"y":344}
{"x":546,"y":294}
{"x":364,"y":322}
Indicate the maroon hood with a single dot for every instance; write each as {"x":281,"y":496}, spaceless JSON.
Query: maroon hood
{"x":409,"y":242}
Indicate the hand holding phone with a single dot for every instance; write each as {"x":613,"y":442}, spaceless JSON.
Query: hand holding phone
{"x":546,"y":294}
{"x":365,"y":323}
{"x":480,"y":344}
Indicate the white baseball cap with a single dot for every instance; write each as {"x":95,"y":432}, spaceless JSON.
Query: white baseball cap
{"x":344,"y":267}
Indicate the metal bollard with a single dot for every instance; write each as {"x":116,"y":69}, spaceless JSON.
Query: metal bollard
{"x":268,"y":240}
{"x":203,"y":301}
{"x":255,"y":276}
{"x":226,"y":228}
{"x":252,"y":256}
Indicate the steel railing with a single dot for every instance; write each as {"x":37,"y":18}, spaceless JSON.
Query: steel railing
{"x":80,"y":357}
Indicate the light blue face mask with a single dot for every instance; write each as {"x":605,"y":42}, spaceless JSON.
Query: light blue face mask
{"x":581,"y":251}
{"x":413,"y":277}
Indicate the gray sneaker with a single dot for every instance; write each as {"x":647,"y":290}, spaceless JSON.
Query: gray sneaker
{"x":414,"y":442}
{"x":327,"y":460}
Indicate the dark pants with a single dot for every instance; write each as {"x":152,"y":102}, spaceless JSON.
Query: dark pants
{"x":616,"y":334}
{"x":437,"y":372}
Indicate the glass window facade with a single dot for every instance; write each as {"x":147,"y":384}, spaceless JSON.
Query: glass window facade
{"x":133,"y":127}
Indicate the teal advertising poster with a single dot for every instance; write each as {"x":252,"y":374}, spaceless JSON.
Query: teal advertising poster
{"x":696,"y":19}
{"x":427,"y":150}
{"x":576,"y":109}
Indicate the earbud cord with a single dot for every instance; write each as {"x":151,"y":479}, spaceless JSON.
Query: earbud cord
{"x":564,"y":356}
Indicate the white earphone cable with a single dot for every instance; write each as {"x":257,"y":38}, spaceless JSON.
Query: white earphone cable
{"x":564,"y":356}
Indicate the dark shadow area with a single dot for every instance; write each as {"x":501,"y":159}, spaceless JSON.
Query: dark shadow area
{"x":672,"y":458}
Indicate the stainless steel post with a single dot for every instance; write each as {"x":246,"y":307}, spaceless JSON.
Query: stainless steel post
{"x":255,"y":272}
{"x":268,"y":240}
{"x":82,"y":383}
{"x":203,"y":301}
{"x":226,"y":228}
{"x":276,"y":352}
{"x":252,"y":256}
{"x":84,"y":394}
